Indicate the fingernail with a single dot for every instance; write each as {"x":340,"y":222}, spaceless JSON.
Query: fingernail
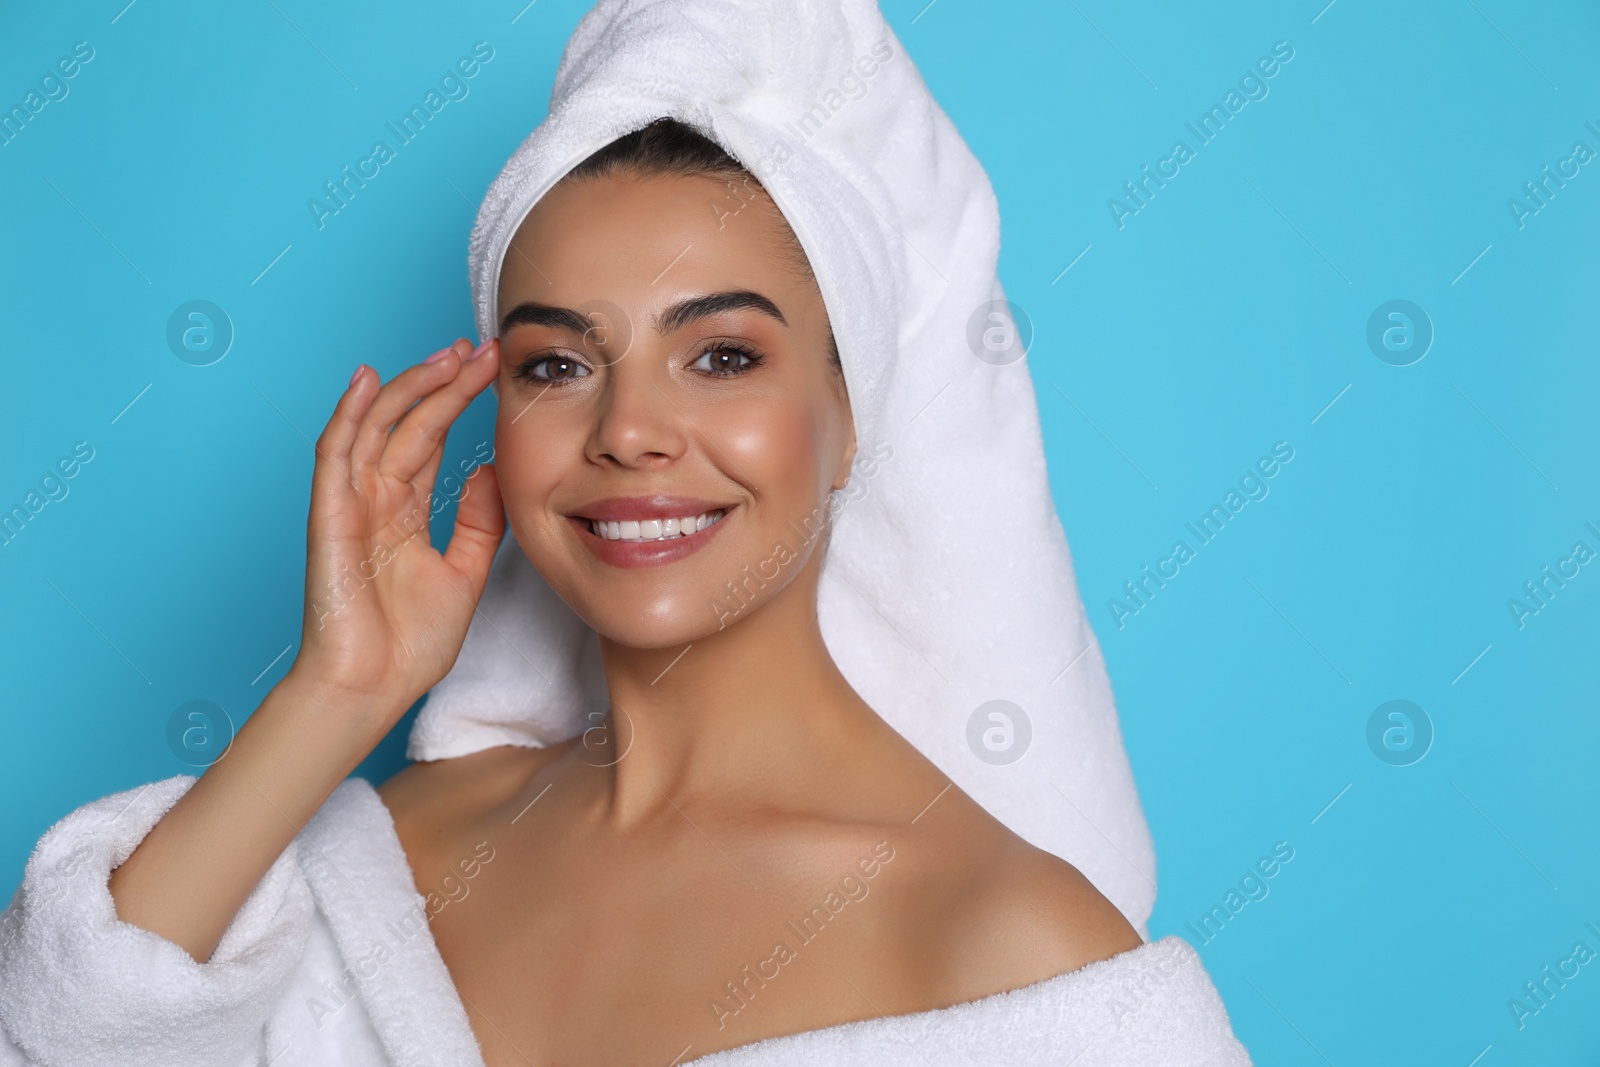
{"x":359,"y":368}
{"x":438,"y":355}
{"x":481,"y":349}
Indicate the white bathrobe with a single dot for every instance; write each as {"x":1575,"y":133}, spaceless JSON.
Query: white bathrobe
{"x":331,"y":962}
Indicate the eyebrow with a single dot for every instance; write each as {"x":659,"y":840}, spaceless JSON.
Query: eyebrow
{"x":675,"y":317}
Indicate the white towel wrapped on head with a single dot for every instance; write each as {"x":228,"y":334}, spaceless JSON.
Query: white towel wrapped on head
{"x":948,"y":583}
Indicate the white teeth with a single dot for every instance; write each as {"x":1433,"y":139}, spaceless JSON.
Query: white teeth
{"x":654,"y":529}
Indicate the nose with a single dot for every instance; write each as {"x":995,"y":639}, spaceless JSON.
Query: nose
{"x":637,"y":423}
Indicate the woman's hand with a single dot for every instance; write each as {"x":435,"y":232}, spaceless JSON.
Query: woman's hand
{"x":386,"y":613}
{"x":385,"y":618}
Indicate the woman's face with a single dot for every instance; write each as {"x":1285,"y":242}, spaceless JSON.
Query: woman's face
{"x":664,"y":358}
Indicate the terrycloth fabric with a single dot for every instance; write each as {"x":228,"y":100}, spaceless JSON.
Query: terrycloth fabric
{"x":76,"y":983}
{"x":1153,"y":1005}
{"x":331,"y":963}
{"x":948,"y":583}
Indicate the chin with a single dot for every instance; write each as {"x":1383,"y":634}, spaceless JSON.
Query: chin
{"x":672,"y":622}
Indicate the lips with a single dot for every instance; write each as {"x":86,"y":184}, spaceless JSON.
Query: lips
{"x":648,"y":531}
{"x":638,"y":508}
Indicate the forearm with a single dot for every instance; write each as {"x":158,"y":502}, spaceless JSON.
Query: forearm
{"x":190,"y":875}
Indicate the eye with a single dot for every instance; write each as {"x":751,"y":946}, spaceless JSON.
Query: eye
{"x":724,"y":359}
{"x":552,"y":369}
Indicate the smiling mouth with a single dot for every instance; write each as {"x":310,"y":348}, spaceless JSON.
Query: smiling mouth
{"x":662,"y":529}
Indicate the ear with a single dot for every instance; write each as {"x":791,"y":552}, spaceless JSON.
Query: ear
{"x":842,"y":475}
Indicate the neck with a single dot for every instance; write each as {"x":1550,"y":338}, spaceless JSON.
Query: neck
{"x":749,"y":713}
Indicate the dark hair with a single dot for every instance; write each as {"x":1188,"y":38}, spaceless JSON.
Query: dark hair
{"x":668,"y":146}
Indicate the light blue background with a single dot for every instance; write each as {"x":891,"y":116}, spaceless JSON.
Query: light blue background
{"x":1227,"y":315}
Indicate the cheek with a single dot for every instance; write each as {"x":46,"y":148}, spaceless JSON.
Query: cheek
{"x":523,"y":452}
{"x":776,"y":447}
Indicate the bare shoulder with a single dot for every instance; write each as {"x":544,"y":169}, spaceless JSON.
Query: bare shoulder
{"x":443,"y":791}
{"x":979,"y":910}
{"x":1012,"y":915}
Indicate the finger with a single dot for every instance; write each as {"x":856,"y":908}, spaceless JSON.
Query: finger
{"x":421,"y":431}
{"x":423,"y":484}
{"x":399,"y":394}
{"x":480,"y":526}
{"x":422,"y":511}
{"x":419,"y":517}
{"x":403,"y":390}
{"x":334,"y":443}
{"x":425,"y":477}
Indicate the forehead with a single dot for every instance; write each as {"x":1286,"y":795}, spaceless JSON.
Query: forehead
{"x":640,"y":240}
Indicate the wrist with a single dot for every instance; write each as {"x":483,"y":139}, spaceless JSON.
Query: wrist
{"x":329,"y":700}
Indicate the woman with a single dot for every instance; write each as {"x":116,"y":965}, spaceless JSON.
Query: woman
{"x":741,"y":861}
